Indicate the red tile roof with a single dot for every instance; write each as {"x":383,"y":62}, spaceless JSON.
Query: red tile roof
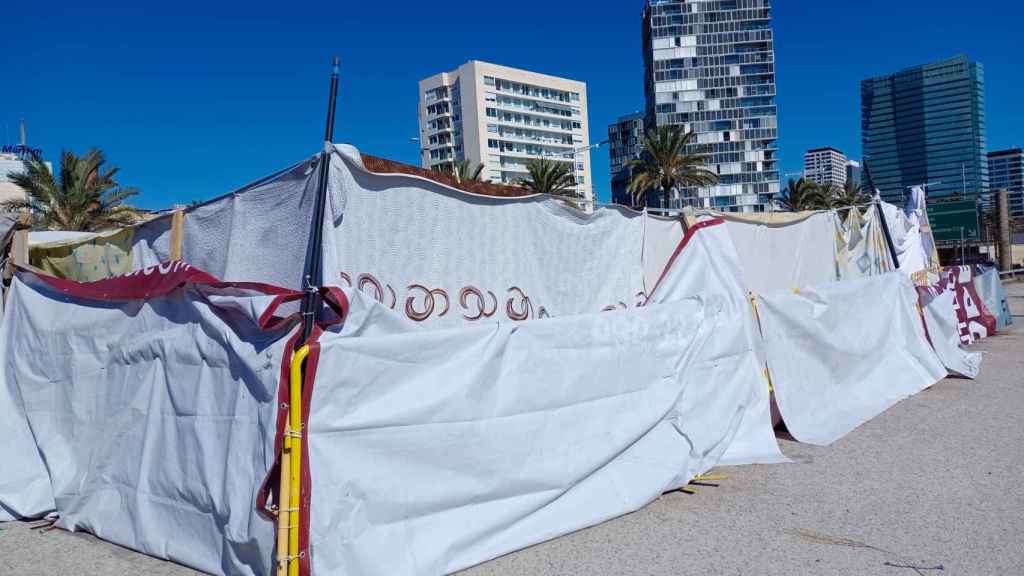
{"x":384,"y":166}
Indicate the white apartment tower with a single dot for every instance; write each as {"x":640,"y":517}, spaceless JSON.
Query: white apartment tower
{"x":825,"y":166}
{"x":709,"y":68}
{"x":503,"y":117}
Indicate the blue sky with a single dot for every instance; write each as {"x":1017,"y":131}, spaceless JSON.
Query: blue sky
{"x":192,"y":100}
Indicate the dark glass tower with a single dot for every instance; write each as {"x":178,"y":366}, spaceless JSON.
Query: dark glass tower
{"x":926,"y":124}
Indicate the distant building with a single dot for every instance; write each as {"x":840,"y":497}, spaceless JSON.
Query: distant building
{"x":709,"y":67}
{"x":1006,"y":170}
{"x":502,"y":118}
{"x":825,"y":166}
{"x":854,"y":173}
{"x":926,"y":124}
{"x":624,"y":137}
{"x":12,"y":161}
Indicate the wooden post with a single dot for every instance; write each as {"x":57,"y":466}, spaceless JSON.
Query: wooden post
{"x":19,"y":248}
{"x":1003,"y":227}
{"x":177,"y":231}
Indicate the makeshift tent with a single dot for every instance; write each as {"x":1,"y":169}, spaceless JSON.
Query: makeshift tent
{"x":990,"y":289}
{"x":144,"y":410}
{"x":158,"y":424}
{"x":434,"y":450}
{"x":939,"y":310}
{"x":975,"y":320}
{"x":508,"y":370}
{"x":843,"y":352}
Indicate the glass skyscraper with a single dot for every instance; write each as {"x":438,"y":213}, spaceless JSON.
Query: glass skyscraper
{"x":709,"y":67}
{"x":926,"y":124}
{"x":624,"y":137}
{"x":1006,"y":171}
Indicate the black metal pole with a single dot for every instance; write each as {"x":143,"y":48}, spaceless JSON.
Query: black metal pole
{"x":313,"y":270}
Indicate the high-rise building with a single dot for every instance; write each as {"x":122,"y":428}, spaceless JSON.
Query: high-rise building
{"x":854,"y":173}
{"x":1006,"y":170}
{"x":502,"y":118}
{"x":709,"y":67}
{"x":926,"y":124}
{"x":825,"y":166}
{"x":624,"y":137}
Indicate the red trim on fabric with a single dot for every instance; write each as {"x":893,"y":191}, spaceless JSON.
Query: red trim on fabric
{"x":153,"y":281}
{"x":690,"y":232}
{"x":269,"y":321}
{"x":268,"y":485}
{"x":306,"y":488}
{"x":336,"y":299}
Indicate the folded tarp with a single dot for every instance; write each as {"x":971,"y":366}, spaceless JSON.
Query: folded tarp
{"x":939,"y":308}
{"x":841,"y":353}
{"x":145,"y":411}
{"x":990,"y":289}
{"x":434,"y":450}
{"x":84,"y":257}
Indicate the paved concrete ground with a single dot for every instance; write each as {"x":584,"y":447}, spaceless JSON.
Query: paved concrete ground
{"x":938,"y":480}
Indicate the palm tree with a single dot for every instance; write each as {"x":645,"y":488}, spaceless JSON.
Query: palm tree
{"x":801,"y":195}
{"x":86,"y":197}
{"x":851,"y":195}
{"x":666,"y":163}
{"x":550,"y":177}
{"x":463,"y":171}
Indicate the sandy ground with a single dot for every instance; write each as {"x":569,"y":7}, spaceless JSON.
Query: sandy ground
{"x":936,"y":481}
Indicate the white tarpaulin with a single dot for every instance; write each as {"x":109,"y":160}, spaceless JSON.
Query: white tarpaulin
{"x":861,"y":249}
{"x":843,"y":352}
{"x":706,"y":265}
{"x":782,"y":251}
{"x":434,"y":450}
{"x":152,"y":421}
{"x":446,"y":257}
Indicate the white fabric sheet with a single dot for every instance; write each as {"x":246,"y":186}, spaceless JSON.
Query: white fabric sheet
{"x":434,"y":450}
{"x":154,"y":421}
{"x":447,"y":257}
{"x":842,"y":353}
{"x":783,"y":257}
{"x":944,"y":333}
{"x":707,"y":266}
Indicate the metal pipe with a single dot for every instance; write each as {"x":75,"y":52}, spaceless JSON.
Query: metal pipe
{"x":313,"y":276}
{"x":293,"y":443}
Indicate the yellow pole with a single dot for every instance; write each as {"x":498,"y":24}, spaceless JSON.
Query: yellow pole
{"x":294,"y":435}
{"x":284,"y":502}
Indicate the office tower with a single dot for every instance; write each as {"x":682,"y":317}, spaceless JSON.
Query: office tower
{"x":825,"y":166}
{"x":502,"y":118}
{"x":624,"y":136}
{"x":926,"y":124}
{"x":709,"y":67}
{"x":1006,"y":170}
{"x":854,"y":173}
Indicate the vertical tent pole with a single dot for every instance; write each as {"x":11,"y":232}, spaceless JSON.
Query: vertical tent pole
{"x":290,"y":491}
{"x":313,"y":273}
